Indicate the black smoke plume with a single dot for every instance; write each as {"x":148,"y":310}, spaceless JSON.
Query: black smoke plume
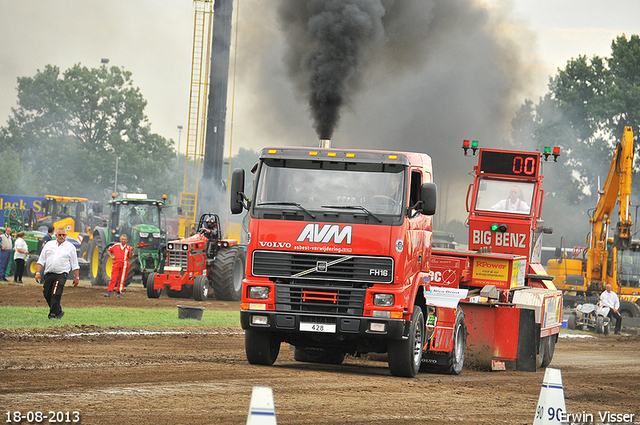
{"x":330,"y":44}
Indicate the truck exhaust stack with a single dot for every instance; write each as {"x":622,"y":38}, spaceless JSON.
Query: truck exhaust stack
{"x":325,"y":143}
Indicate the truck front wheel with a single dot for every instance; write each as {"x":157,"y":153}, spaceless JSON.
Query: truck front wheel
{"x":405,"y":355}
{"x":261,"y":347}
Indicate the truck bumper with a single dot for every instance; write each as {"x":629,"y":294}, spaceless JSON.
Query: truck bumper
{"x":325,"y":325}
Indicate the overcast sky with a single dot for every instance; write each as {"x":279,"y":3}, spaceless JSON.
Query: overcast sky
{"x":153,"y":39}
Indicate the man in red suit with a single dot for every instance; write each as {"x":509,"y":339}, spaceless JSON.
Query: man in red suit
{"x":120,"y":254}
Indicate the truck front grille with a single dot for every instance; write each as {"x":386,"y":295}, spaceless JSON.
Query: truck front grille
{"x":320,"y":299}
{"x":327,"y":267}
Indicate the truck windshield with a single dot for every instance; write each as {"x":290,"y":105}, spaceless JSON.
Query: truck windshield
{"x":379,"y":188}
{"x":506,"y":196}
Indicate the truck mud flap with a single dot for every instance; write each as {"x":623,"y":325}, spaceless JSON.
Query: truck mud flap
{"x":500,"y":338}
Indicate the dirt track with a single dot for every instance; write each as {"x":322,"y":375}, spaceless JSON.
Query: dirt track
{"x":201,"y":376}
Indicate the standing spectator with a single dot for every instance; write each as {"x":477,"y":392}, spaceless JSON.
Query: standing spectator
{"x":58,"y":258}
{"x":120,"y":254}
{"x":5,"y":254}
{"x":48,"y":237}
{"x":610,"y":299}
{"x":21,"y":256}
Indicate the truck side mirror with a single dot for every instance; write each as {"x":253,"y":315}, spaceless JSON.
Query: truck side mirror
{"x":97,"y":208}
{"x":428,"y":197}
{"x":179,"y":210}
{"x":237,"y":191}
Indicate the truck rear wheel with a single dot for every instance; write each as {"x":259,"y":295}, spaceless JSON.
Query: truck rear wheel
{"x":261,"y":347}
{"x":201,"y":288}
{"x":405,"y":355}
{"x":550,"y":348}
{"x":452,"y":362}
{"x":571,"y":321}
{"x":228,"y":273}
{"x":318,"y":355}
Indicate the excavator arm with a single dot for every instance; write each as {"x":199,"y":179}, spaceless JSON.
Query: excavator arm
{"x":617,"y":187}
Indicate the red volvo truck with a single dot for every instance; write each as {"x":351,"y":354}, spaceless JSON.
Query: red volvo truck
{"x":339,"y":261}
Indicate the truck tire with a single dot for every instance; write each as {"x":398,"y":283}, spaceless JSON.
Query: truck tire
{"x":228,"y":273}
{"x":629,"y":309}
{"x":405,"y":355}
{"x":201,"y":288}
{"x":572,"y":321}
{"x":31,"y":265}
{"x":452,"y":362}
{"x":318,"y":355}
{"x":261,"y":347}
{"x":151,"y":292}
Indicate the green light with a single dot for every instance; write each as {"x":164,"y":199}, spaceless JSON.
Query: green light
{"x":474,"y":144}
{"x":547,"y":150}
{"x":494,"y":227}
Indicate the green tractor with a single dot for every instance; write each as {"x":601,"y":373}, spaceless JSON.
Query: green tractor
{"x":141,"y":220}
{"x":22,"y":220}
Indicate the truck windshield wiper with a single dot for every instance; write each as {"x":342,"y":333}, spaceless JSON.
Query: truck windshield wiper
{"x":293,"y":204}
{"x":353,"y":207}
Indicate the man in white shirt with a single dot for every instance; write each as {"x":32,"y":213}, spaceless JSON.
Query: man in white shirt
{"x":513,"y":202}
{"x":58,"y":258}
{"x":609,"y":299}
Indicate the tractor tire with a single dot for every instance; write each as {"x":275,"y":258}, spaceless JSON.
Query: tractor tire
{"x":145,"y":276}
{"x":405,"y":355}
{"x":629,"y":309}
{"x":95,"y":262}
{"x":600,"y":325}
{"x":453,"y":362}
{"x":201,"y":288}
{"x":31,"y":266}
{"x":261,"y":347}
{"x":228,"y":273}
{"x":318,"y":355}
{"x":572,"y":321}
{"x":152,"y":293}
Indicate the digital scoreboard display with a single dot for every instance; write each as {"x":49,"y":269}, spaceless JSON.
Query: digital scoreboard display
{"x":516,"y":164}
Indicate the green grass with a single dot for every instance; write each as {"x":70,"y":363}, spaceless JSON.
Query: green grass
{"x":106,"y":317}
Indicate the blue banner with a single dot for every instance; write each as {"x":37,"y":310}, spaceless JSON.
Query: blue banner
{"x":20,"y":202}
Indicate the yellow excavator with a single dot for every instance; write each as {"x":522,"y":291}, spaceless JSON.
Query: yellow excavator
{"x":608,"y":259}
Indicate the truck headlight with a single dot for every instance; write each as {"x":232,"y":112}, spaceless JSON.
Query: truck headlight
{"x":383,"y":300}
{"x":259,"y":292}
{"x":144,"y":235}
{"x":170,"y":246}
{"x":157,"y":235}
